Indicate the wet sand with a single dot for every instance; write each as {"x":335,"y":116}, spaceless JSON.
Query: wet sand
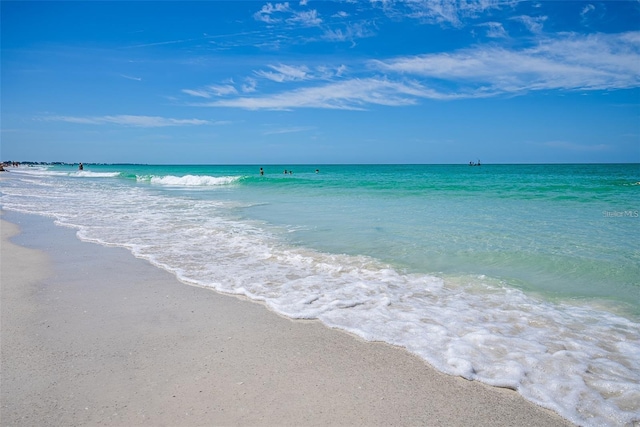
{"x":91,"y":335}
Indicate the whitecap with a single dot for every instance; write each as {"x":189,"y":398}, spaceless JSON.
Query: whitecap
{"x":192,"y":180}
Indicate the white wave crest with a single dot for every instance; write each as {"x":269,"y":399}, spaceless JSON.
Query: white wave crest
{"x":193,"y":180}
{"x":89,"y":174}
{"x":81,"y":174}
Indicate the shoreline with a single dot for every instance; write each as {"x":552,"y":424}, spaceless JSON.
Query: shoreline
{"x":91,"y":334}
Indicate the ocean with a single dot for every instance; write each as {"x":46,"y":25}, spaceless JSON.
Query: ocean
{"x":518,"y":276}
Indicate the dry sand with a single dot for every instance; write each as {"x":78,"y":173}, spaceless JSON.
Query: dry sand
{"x":91,"y":335}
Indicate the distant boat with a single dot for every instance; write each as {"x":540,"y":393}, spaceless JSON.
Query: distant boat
{"x":475,"y":164}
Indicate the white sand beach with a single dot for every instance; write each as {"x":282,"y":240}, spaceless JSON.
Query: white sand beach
{"x":91,"y":335}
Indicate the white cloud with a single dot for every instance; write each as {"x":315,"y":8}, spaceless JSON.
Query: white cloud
{"x":128,"y":120}
{"x":533,"y":24}
{"x":285,"y":73}
{"x":588,"y":8}
{"x":221,"y":90}
{"x":596,"y":62}
{"x":268,"y":10}
{"x":494,"y":29}
{"x":199,"y":93}
{"x":273,"y":14}
{"x":289,"y":73}
{"x":287,"y":130}
{"x":324,"y":72}
{"x":572,"y":62}
{"x":212,"y":90}
{"x":308,"y":19}
{"x":355,"y":94}
{"x":350,"y":32}
{"x":124,"y":76}
{"x":250,"y":85}
{"x":451,"y":12}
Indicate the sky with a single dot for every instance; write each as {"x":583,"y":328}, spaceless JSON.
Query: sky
{"x":320,"y":82}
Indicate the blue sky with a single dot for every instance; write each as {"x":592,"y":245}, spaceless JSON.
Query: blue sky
{"x":244,"y":82}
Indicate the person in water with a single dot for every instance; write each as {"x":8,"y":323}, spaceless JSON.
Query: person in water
{"x":80,"y":167}
{"x":261,"y":171}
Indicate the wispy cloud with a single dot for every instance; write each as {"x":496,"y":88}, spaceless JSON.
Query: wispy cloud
{"x":285,"y":73}
{"x":586,"y":10}
{"x":308,"y":18}
{"x":272,"y":13}
{"x":350,"y":32}
{"x":449,"y":12}
{"x":595,"y":62}
{"x":494,"y":29}
{"x":533,"y":24}
{"x":288,"y":130}
{"x":124,"y":76}
{"x":202,"y":93}
{"x":569,"y":62}
{"x":212,"y":90}
{"x":128,"y":120}
{"x":167,"y":42}
{"x":354,"y":94}
{"x":250,"y":85}
{"x":572,"y":62}
{"x":280,"y":73}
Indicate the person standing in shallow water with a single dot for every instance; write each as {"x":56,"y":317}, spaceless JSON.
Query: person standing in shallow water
{"x":80,"y":167}
{"x":261,"y":171}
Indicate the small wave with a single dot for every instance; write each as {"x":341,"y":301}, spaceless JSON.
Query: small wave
{"x":89,"y":174}
{"x":34,"y":171}
{"x":190,"y":180}
{"x":79,"y":174}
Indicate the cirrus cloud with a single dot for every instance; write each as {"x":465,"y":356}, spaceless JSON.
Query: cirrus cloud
{"x":353,"y":94}
{"x":129,"y":120}
{"x":568,"y":62}
{"x":282,"y":73}
{"x":594,"y":62}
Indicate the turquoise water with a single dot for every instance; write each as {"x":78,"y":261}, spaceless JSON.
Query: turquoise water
{"x":520,"y":276}
{"x":542,"y":228}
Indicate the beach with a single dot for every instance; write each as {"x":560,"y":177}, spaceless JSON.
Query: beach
{"x":92,"y":335}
